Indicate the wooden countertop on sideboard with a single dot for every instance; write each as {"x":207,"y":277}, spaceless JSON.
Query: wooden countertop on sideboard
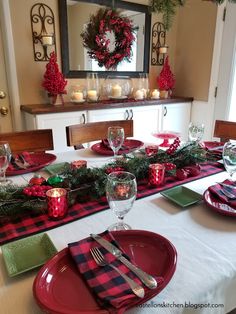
{"x":105,"y":104}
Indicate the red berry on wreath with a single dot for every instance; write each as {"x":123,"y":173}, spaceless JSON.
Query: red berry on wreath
{"x":169,"y":166}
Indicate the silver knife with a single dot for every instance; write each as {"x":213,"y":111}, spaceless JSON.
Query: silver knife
{"x":147,"y":279}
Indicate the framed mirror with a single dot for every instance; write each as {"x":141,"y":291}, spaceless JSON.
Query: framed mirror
{"x":74,"y":14}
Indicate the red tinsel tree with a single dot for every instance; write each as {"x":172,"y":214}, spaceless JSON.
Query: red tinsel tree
{"x":54,"y":81}
{"x":166,"y":80}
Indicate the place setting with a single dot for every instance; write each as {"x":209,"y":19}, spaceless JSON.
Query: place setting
{"x":221,"y":197}
{"x":111,"y":270}
{"x":116,"y":143}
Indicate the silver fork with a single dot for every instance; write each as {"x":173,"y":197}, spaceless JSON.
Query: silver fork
{"x":101,"y":261}
{"x":228,"y":194}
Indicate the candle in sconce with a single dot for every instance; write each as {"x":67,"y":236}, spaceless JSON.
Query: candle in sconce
{"x":155,"y":94}
{"x":57,"y":203}
{"x":78,"y":96}
{"x":116,"y":91}
{"x":163,"y":49}
{"x":47,"y":40}
{"x":92,"y":95}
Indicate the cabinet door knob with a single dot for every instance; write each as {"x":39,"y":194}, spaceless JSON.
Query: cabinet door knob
{"x":132,"y":114}
{"x":165,"y":111}
{"x":127,"y":114}
{"x":83,"y":118}
{"x":4,"y":111}
{"x":2,"y":94}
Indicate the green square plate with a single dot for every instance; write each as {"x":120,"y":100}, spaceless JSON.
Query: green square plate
{"x":55,"y":169}
{"x":28,"y":253}
{"x":182,"y":196}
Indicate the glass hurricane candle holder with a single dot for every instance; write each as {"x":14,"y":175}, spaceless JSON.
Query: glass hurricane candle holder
{"x":156,"y":174}
{"x":117,"y":87}
{"x":93,"y":89}
{"x":57,"y":203}
{"x":77,"y":94}
{"x":141,"y":90}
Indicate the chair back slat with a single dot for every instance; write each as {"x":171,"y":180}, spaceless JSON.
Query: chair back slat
{"x":225,"y":130}
{"x":31,"y":141}
{"x":94,"y":131}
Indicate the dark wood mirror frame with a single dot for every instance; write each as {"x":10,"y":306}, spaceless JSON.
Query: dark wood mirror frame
{"x":62,"y":5}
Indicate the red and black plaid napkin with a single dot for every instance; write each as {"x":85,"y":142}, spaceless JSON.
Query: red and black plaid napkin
{"x":217,"y":191}
{"x":109,"y":287}
{"x":17,"y":161}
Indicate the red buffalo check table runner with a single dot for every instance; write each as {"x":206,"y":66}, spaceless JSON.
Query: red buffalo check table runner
{"x":110,"y":289}
{"x":14,"y":228}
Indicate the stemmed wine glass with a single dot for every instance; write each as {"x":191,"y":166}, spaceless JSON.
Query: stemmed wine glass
{"x":196,"y":131}
{"x":229,"y":157}
{"x":121,"y":190}
{"x":5,"y":157}
{"x":115,"y":136}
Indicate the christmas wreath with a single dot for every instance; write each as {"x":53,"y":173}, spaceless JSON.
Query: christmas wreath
{"x":95,"y":38}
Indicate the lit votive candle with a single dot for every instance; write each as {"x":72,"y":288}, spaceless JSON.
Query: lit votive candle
{"x":77,"y":164}
{"x":116,"y":91}
{"x":155,"y":94}
{"x":156,"y":174}
{"x":78,"y":96}
{"x":57,"y":203}
{"x":139,"y":94}
{"x":92,"y":95}
{"x":151,"y":150}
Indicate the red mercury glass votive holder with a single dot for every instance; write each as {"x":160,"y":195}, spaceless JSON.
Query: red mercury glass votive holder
{"x":151,"y":150}
{"x":57,"y":203}
{"x":77,"y":164}
{"x":156,"y":174}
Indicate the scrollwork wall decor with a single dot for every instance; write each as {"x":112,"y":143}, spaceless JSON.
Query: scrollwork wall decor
{"x":43,"y":31}
{"x":159,"y":48}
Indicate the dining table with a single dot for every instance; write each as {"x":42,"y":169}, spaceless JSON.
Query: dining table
{"x":204,"y":280}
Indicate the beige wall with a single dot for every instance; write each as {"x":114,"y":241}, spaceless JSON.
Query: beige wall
{"x":194,"y":48}
{"x":190,"y":42}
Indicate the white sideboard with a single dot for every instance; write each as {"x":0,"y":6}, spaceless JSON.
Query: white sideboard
{"x":147,"y":118}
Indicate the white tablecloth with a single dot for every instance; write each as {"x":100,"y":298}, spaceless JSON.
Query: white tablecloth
{"x":205,"y":277}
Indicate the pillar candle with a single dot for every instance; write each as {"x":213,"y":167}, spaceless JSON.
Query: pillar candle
{"x":92,"y":95}
{"x":116,"y":91}
{"x":77,"y":96}
{"x":155,"y":94}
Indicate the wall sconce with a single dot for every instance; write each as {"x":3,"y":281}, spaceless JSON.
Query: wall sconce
{"x":159,"y":47}
{"x":43,"y":31}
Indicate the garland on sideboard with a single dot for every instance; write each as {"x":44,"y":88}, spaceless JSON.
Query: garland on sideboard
{"x":86,"y":183}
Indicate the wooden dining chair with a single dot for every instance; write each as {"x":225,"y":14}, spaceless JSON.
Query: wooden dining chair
{"x":225,"y":130}
{"x":31,"y":141}
{"x":79,"y":134}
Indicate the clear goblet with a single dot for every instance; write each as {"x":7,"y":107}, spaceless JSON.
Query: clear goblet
{"x":5,"y":157}
{"x":229,"y":157}
{"x":195,"y":131}
{"x":115,"y":136}
{"x":121,"y":191}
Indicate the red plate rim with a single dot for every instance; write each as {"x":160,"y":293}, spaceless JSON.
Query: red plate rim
{"x":103,"y":150}
{"x":230,"y":212}
{"x":172,"y":254}
{"x":46,"y":161}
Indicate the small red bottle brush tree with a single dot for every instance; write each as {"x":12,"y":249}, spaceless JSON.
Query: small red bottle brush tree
{"x":166,"y":79}
{"x":54,"y":81}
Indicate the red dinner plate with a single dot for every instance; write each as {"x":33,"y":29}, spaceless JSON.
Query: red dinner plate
{"x":217,"y":205}
{"x":39,"y":161}
{"x":129,"y":145}
{"x":59,"y":287}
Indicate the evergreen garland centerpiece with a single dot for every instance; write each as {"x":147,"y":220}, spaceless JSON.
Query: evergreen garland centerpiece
{"x":96,"y":38}
{"x":54,"y":81}
{"x":86,"y":183}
